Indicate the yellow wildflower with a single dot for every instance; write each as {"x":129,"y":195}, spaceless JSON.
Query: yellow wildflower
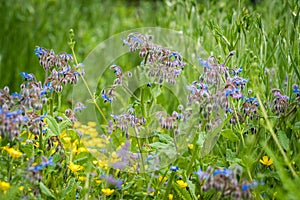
{"x":81,"y":178}
{"x":79,"y":150}
{"x":98,"y":181}
{"x":191,"y":146}
{"x":266,"y":161}
{"x":67,"y":139}
{"x":160,"y":178}
{"x":4,"y":186}
{"x":21,"y":188}
{"x":13,"y":153}
{"x":75,"y":168}
{"x":181,"y":183}
{"x":77,"y":124}
{"x":170,"y":196}
{"x":36,"y":144}
{"x":92,"y":124}
{"x":107,"y":191}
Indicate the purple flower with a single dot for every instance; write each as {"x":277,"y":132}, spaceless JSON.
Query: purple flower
{"x":204,"y":63}
{"x":110,"y":180}
{"x":201,"y":174}
{"x":79,"y":107}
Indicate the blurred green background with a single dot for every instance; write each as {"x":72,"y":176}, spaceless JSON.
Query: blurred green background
{"x":265,"y":33}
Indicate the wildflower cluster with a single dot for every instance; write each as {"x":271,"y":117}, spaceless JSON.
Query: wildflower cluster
{"x":126,"y":120}
{"x":18,"y":111}
{"x":59,"y":67}
{"x":226,"y":181}
{"x":161,"y":63}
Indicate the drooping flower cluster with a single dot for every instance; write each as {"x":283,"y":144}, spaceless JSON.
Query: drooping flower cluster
{"x":280,"y":102}
{"x":108,"y":93}
{"x":226,"y":181}
{"x":59,"y":67}
{"x":18,"y":111}
{"x":171,"y":122}
{"x":161,"y":63}
{"x":126,"y":120}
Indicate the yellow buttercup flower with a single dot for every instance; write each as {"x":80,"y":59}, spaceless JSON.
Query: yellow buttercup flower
{"x":13,"y":153}
{"x":75,"y":168}
{"x":181,"y":183}
{"x":266,"y":161}
{"x":170,"y":196}
{"x":81,"y":178}
{"x":79,"y":150}
{"x":191,"y":146}
{"x":160,"y":178}
{"x":107,"y":191}
{"x":4,"y":186}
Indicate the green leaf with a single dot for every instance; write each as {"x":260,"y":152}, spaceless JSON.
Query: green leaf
{"x":45,"y":190}
{"x":297,"y":125}
{"x":65,"y":124}
{"x":69,"y":188}
{"x":165,"y":138}
{"x":212,"y":138}
{"x":201,"y":139}
{"x":182,"y":192}
{"x":52,"y":125}
{"x":231,"y":157}
{"x":192,"y":188}
{"x":127,"y":186}
{"x":228,"y":134}
{"x":156,"y":91}
{"x":159,"y":145}
{"x":283,"y":139}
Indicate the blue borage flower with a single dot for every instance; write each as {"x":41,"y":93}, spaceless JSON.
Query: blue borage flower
{"x":40,"y":118}
{"x":59,"y":118}
{"x":45,"y":163}
{"x":225,"y":172}
{"x":202,"y":174}
{"x":16,"y":95}
{"x":296,"y":90}
{"x":235,"y":72}
{"x":175,"y":60}
{"x":280,"y":96}
{"x":79,"y":107}
{"x":252,"y":100}
{"x":247,"y":186}
{"x":150,"y":157}
{"x":13,"y":113}
{"x":27,"y":76}
{"x":46,"y":87}
{"x":106,"y":98}
{"x":174,"y":168}
{"x":204,"y":63}
{"x":117,"y":70}
{"x":38,"y":51}
{"x":234,"y":93}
